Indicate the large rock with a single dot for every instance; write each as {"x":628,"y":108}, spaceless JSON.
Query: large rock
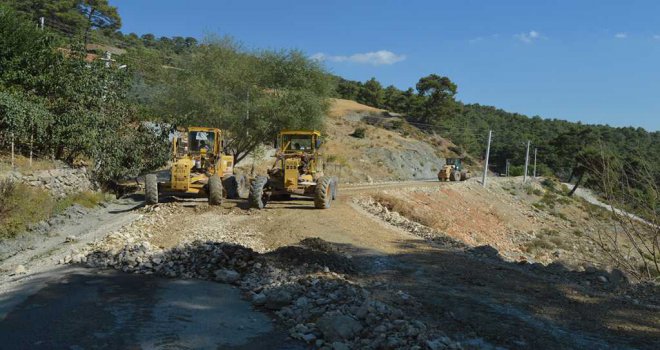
{"x":226,"y":275}
{"x":337,"y":327}
{"x":278,"y":299}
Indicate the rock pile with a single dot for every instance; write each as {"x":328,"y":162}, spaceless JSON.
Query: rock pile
{"x":203,"y":260}
{"x":321,"y":308}
{"x":327,"y":311}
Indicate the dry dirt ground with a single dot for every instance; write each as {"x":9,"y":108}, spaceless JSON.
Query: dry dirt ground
{"x":426,"y":254}
{"x":505,"y":298}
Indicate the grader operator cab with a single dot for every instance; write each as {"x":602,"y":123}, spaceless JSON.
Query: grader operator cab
{"x":199,"y":168}
{"x":453,"y":171}
{"x":298,"y":170}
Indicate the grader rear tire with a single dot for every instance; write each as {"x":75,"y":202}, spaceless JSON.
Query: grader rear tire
{"x":323,"y":194}
{"x":335,"y":184}
{"x":215,"y":190}
{"x":151,"y":189}
{"x":465,"y":175}
{"x":230,"y":184}
{"x":257,"y":198}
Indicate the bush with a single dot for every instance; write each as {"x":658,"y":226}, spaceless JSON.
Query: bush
{"x":397,"y":124}
{"x":20,"y":206}
{"x":87,"y":199}
{"x":516,"y":170}
{"x":359,"y":133}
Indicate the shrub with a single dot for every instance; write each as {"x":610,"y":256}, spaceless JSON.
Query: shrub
{"x":20,"y":206}
{"x":87,"y":199}
{"x":359,"y":133}
{"x":397,"y":124}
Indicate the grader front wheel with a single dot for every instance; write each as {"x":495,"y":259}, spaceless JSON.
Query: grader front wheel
{"x":151,"y":189}
{"x":215,"y":190}
{"x":258,"y":198}
{"x":324,"y":193}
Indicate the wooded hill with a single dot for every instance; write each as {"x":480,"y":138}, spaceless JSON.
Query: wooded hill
{"x":566,"y":149}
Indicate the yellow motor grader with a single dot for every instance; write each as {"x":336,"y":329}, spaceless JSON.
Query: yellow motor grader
{"x":298,"y":170}
{"x":199,"y":168}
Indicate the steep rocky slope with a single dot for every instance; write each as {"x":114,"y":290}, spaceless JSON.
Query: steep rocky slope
{"x":391,"y":149}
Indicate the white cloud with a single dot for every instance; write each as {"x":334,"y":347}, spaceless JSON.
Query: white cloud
{"x":376,"y":58}
{"x":528,"y":38}
{"x":656,"y":36}
{"x":621,"y":35}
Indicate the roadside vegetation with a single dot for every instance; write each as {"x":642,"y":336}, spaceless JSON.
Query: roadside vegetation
{"x":22,"y":205}
{"x":60,"y":102}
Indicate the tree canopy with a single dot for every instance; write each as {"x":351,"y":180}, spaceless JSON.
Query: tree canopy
{"x":252,"y":95}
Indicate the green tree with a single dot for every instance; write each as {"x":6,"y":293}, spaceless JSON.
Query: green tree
{"x":371,"y":93}
{"x":394,"y":99}
{"x":59,"y":12}
{"x":439,"y":93}
{"x":250,"y":95}
{"x":69,"y":107}
{"x":99,"y":15}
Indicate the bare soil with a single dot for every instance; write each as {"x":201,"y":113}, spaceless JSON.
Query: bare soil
{"x":467,"y":294}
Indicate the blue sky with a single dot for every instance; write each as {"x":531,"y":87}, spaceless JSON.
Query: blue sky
{"x":596,"y":61}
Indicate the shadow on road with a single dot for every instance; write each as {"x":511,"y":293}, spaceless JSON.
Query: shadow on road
{"x":468,"y":294}
{"x":89,"y":309}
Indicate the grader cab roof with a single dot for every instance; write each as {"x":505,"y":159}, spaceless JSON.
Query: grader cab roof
{"x":300,"y":132}
{"x":199,"y":128}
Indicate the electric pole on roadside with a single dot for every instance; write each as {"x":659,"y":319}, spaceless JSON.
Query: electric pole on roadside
{"x":483,"y":180}
{"x":108,"y":59}
{"x":526,"y":161}
{"x":535,"y":149}
{"x":506,"y":168}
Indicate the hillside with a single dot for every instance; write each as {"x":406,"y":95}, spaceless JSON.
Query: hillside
{"x":391,"y":149}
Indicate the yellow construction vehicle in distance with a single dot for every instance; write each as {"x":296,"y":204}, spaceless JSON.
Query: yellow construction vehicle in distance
{"x":453,"y":171}
{"x":199,"y":168}
{"x":298,"y":170}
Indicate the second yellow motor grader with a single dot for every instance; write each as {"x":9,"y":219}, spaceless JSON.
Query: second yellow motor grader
{"x":298,"y":170}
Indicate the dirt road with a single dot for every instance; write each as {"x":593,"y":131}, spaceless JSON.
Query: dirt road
{"x":469,"y":295}
{"x":507,"y":304}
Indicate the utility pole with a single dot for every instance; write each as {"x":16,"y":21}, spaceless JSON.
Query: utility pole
{"x":483,"y":180}
{"x":507,"y":168}
{"x":535,"y":162}
{"x":31,"y":143}
{"x":108,"y":59}
{"x":526,"y":161}
{"x":13,"y":156}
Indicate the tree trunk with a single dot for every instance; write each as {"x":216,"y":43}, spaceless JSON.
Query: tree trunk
{"x":89,"y":26}
{"x":577,"y":183}
{"x":570,"y":178}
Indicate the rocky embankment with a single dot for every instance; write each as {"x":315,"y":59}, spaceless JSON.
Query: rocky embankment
{"x":60,"y":182}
